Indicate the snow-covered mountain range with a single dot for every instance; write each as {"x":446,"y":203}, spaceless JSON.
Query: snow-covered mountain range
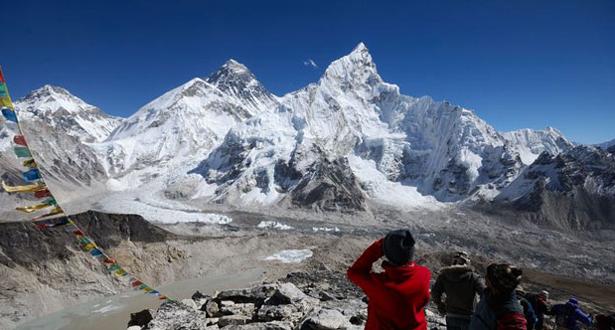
{"x":340,"y":143}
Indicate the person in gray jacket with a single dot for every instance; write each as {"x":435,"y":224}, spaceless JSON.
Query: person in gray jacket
{"x":455,"y":291}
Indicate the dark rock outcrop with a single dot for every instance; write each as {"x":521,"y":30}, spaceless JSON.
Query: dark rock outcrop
{"x":23,"y":244}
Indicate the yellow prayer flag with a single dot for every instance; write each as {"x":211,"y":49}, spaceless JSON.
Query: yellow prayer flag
{"x":33,"y":208}
{"x":5,"y":101}
{"x":88,"y":247}
{"x":29,"y":188}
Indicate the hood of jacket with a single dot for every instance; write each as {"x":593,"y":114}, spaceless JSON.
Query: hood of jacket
{"x":457,"y":273}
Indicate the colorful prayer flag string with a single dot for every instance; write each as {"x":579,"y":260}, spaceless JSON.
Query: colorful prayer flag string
{"x":56,"y":217}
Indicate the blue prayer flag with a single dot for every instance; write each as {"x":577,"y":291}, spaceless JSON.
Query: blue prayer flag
{"x":9,"y":114}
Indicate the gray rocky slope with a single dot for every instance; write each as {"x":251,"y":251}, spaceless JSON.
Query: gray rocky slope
{"x":45,"y":271}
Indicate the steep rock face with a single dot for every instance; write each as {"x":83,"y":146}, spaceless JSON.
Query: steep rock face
{"x":573,"y":190}
{"x":329,"y":186}
{"x":186,"y":121}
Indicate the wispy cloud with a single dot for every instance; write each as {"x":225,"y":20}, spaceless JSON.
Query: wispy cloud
{"x":310,"y":62}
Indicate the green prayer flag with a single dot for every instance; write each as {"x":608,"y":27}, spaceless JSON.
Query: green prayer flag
{"x":22,"y":152}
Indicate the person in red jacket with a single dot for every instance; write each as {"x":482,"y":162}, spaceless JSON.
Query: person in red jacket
{"x":396,"y":297}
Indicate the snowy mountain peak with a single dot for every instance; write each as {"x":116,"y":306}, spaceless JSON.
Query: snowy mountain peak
{"x":234,"y":77}
{"x":53,"y":98}
{"x":57,"y":107}
{"x":352,"y":66}
{"x":531,"y":143}
{"x":360,"y":47}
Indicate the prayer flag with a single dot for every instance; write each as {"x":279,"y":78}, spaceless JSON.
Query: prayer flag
{"x":121,"y":272}
{"x":136,"y":283}
{"x":96,"y":252}
{"x":32,"y":175}
{"x":32,"y":208}
{"x":55,"y":211}
{"x":1,"y":76}
{"x":30,"y":163}
{"x":22,"y":152}
{"x":23,"y":189}
{"x":9,"y":114}
{"x":42,"y":193}
{"x":50,"y":201}
{"x":88,"y":247}
{"x":3,"y":90}
{"x":109,"y":260}
{"x":5,"y":101}
{"x":20,"y":140}
{"x":113,"y":267}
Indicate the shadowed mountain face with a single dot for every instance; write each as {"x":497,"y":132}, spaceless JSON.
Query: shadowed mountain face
{"x":572,"y":190}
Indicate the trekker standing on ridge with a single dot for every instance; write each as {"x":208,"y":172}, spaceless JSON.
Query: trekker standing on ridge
{"x":528,"y":309}
{"x":460,"y":284}
{"x":569,"y":314}
{"x":396,"y":297}
{"x":499,"y":307}
{"x":540,"y":302}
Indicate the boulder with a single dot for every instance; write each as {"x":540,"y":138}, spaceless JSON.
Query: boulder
{"x":286,"y":293}
{"x":267,"y":313}
{"x":275,"y":325}
{"x":140,"y":319}
{"x":175,"y":315}
{"x":246,"y":309}
{"x":325,"y":319}
{"x":256,"y":295}
{"x":212,"y":308}
{"x":190,"y":303}
{"x":233,"y":320}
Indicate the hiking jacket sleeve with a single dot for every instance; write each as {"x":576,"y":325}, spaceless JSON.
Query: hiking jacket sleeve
{"x":360,"y":273}
{"x":436,"y":292}
{"x":512,"y":321}
{"x":583,"y":317}
{"x":478,"y":283}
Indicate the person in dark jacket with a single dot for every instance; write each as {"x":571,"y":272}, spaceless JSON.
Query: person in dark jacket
{"x":499,"y":308}
{"x":569,"y":315}
{"x":528,"y":310}
{"x":396,"y":297}
{"x":540,"y":303}
{"x":459,"y":286}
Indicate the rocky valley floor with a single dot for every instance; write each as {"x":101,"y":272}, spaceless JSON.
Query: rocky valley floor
{"x":46,"y":273}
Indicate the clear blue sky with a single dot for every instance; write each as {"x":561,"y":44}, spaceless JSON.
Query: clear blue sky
{"x":517,"y":63}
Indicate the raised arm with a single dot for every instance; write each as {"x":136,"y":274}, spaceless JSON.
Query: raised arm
{"x":360,"y":273}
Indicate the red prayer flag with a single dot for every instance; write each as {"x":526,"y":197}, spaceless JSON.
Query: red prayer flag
{"x":1,"y":76}
{"x":78,"y":232}
{"x":136,"y":283}
{"x":109,"y":260}
{"x":42,"y":193}
{"x":20,"y":140}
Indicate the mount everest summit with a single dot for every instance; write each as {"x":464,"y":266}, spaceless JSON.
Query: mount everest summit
{"x":339,"y":144}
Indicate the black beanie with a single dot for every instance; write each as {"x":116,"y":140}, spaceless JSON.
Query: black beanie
{"x":399,"y":247}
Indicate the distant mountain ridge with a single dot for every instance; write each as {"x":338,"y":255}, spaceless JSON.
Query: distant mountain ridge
{"x":334,"y":145}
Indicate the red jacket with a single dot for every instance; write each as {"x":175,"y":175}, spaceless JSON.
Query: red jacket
{"x":397,"y":297}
